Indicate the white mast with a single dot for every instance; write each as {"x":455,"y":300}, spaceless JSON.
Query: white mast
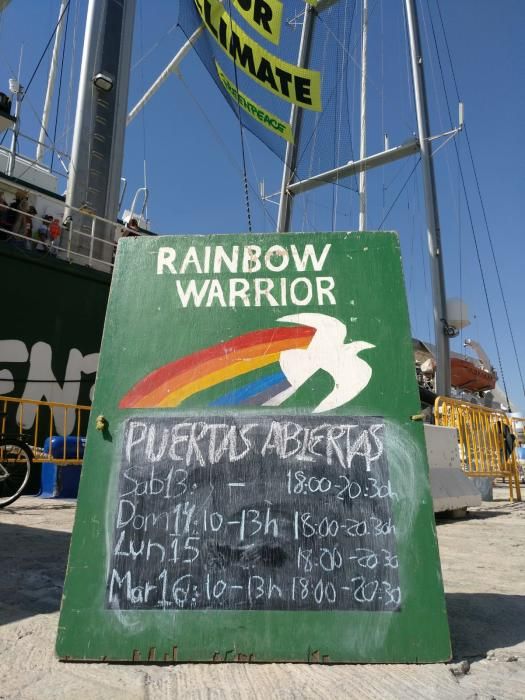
{"x":290,"y":159}
{"x":435,"y":250}
{"x":362,"y":149}
{"x":18,"y":92}
{"x":100,"y":124}
{"x":40,"y":149}
{"x":172,"y":67}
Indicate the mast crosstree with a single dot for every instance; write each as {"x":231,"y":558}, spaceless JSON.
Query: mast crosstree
{"x":422,"y":145}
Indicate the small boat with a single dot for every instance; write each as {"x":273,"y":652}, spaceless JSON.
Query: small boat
{"x":469,"y":376}
{"x":467,"y":373}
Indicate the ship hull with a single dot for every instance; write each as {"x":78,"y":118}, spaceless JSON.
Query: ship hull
{"x":51,"y":330}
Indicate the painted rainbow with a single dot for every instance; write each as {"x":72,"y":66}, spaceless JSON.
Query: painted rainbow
{"x":170,"y":385}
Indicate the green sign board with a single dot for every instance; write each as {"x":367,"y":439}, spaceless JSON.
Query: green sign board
{"x":260,"y":491}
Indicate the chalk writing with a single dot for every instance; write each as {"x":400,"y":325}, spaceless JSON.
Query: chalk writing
{"x":247,"y":512}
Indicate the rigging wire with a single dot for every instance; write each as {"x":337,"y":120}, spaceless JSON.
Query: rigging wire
{"x":469,"y":211}
{"x":37,"y":116}
{"x":337,"y":137}
{"x":460,"y":251}
{"x":40,"y":123}
{"x":66,"y":7}
{"x":313,"y":135}
{"x":379,"y":228}
{"x":382,"y":81}
{"x":341,"y":98}
{"x":406,"y":45}
{"x":143,"y":117}
{"x":339,"y":116}
{"x":411,"y":264}
{"x":349,"y":109}
{"x":354,"y":60}
{"x":39,"y":63}
{"x":260,"y":199}
{"x":217,"y":135}
{"x":315,"y":130}
{"x":60,"y":87}
{"x":154,"y":47}
{"x":70,"y":92}
{"x":485,"y":218}
{"x":241,"y":134}
{"x":313,"y":140}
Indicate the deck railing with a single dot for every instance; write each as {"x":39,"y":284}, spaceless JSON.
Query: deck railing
{"x":486,"y":440}
{"x":84,"y":247}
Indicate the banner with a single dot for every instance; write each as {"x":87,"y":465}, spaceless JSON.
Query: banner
{"x":268,"y":120}
{"x":265,"y":17}
{"x":297,"y":85}
{"x":251,"y":48}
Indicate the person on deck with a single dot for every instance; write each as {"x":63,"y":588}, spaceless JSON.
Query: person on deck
{"x":4,"y":207}
{"x":132,"y":229}
{"x":17,"y":217}
{"x":31,"y":226}
{"x":43,"y":236}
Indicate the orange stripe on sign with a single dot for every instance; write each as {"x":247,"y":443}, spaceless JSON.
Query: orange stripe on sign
{"x":193,"y":374}
{"x":153,"y":387}
{"x":234,"y":370}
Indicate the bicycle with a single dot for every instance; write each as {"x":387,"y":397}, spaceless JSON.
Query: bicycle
{"x":16,"y":461}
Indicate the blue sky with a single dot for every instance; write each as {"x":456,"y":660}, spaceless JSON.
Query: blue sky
{"x":190,"y":142}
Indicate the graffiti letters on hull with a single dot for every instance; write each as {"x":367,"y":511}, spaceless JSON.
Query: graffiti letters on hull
{"x":35,"y":365}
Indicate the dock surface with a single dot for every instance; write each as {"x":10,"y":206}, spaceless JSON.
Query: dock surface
{"x":483,"y":561}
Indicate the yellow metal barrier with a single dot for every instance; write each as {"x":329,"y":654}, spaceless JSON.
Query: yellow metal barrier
{"x":38,"y":420}
{"x":518,"y":428}
{"x":486,"y":447}
{"x":519,"y":432}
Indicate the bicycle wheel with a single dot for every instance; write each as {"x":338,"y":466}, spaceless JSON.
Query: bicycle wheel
{"x":16,"y":460}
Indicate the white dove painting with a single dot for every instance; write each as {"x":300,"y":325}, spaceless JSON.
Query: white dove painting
{"x":328,"y":351}
{"x":275,"y":361}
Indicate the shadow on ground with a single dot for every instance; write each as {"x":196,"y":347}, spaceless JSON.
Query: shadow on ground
{"x":480,"y":622}
{"x":444,"y":517}
{"x":32,"y":565}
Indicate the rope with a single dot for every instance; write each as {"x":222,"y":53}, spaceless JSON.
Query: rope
{"x":478,"y":255}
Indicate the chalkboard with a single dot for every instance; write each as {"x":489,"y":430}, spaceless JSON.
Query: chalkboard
{"x":248,"y":512}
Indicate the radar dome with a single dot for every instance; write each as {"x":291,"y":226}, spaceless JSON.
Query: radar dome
{"x":457,"y":313}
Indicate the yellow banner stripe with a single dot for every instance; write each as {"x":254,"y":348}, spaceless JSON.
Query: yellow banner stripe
{"x":265,"y":16}
{"x":300,"y":86}
{"x":261,"y":115}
